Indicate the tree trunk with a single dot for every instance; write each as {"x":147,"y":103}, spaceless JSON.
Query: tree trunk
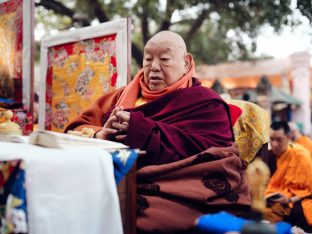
{"x":137,"y":54}
{"x":196,"y":25}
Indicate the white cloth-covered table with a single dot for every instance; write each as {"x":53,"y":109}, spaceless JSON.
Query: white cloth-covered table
{"x":67,"y":191}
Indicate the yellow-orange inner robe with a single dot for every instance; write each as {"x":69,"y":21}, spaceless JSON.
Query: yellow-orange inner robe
{"x":306,"y":142}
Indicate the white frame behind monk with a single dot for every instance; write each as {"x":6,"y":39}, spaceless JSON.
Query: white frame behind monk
{"x":28,"y":54}
{"x":119,"y":27}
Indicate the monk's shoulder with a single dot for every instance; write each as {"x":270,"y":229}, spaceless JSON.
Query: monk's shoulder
{"x":301,"y":154}
{"x":204,"y":92}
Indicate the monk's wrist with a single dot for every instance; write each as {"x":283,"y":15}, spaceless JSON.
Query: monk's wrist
{"x":99,"y":134}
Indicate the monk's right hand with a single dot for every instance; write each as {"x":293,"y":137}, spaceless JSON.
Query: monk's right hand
{"x":108,"y":128}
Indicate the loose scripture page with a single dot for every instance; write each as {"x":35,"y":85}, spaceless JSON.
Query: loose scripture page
{"x":14,"y":138}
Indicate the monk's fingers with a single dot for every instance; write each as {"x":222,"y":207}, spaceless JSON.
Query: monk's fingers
{"x":120,"y":126}
{"x":110,"y":121}
{"x":104,"y":132}
{"x":123,"y":115}
{"x":121,"y":137}
{"x":126,"y":125}
{"x":115,"y":110}
{"x":109,"y":131}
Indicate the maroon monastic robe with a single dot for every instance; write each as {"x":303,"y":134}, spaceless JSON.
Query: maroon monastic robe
{"x":172,"y":130}
{"x":175,"y":126}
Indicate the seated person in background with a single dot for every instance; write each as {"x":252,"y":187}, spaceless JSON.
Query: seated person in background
{"x":298,"y":138}
{"x":290,"y":187}
{"x":190,"y":166}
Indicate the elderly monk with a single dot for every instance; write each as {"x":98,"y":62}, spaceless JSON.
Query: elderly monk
{"x":290,"y":187}
{"x":190,"y":166}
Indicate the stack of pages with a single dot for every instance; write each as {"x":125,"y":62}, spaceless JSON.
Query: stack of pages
{"x":62,"y":141}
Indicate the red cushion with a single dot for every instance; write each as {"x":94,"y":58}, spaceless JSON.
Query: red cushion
{"x":235,"y":113}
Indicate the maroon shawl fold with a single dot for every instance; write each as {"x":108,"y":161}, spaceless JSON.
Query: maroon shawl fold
{"x":182,"y":123}
{"x":171,"y":196}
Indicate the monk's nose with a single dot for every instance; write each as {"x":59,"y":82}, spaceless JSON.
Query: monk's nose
{"x":155,"y":65}
{"x":274,"y":144}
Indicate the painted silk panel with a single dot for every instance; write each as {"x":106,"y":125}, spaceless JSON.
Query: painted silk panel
{"x":11,"y":34}
{"x":78,"y":73}
{"x":11,"y":63}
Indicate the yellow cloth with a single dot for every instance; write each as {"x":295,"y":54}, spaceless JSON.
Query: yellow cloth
{"x":79,"y":78}
{"x":251,"y":129}
{"x":306,"y":142}
{"x":293,"y":177}
{"x":140,"y":101}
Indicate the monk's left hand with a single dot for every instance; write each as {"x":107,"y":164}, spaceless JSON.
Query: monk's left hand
{"x":122,"y":125}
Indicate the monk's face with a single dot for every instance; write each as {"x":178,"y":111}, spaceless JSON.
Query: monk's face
{"x":279,"y":141}
{"x":164,"y":63}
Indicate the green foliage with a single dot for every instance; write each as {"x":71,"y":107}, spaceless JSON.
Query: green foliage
{"x":214,"y":30}
{"x":51,"y":21}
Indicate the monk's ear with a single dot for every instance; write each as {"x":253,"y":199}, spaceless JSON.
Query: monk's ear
{"x":188,"y":61}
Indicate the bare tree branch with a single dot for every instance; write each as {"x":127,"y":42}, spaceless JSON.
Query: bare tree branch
{"x":305,"y":7}
{"x":167,"y":20}
{"x":144,"y":25}
{"x":165,"y":25}
{"x":60,"y":8}
{"x":137,"y":54}
{"x":99,"y":11}
{"x":196,"y":24}
{"x":57,"y":7}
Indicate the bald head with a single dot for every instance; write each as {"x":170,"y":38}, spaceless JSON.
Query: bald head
{"x":169,"y":38}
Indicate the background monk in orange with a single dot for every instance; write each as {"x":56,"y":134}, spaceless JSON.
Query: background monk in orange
{"x":298,"y":138}
{"x":190,"y":167}
{"x":290,"y":188}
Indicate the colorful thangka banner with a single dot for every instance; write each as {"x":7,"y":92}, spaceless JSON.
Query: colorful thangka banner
{"x":12,"y":60}
{"x":77,"y":74}
{"x":11,"y":51}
